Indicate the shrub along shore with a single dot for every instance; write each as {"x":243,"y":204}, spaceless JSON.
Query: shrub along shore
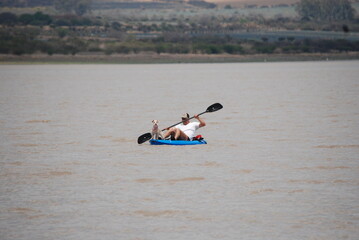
{"x":29,"y":40}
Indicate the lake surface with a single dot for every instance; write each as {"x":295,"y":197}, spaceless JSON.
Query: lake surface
{"x":282,"y":159}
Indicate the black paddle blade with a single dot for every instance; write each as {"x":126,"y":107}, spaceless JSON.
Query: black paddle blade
{"x":214,"y":107}
{"x":144,"y":138}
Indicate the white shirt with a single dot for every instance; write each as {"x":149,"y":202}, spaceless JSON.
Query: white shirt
{"x":189,"y":129}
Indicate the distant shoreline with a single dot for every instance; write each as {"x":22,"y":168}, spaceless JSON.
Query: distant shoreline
{"x":152,"y":58}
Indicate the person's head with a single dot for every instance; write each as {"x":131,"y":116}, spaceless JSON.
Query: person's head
{"x":185,"y":118}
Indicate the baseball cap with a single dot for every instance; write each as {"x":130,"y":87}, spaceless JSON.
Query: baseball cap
{"x":185,"y":116}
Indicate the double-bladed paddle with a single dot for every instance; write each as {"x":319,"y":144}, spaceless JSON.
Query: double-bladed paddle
{"x":147,"y":136}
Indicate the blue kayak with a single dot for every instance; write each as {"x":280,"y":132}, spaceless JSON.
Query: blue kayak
{"x":176,"y":142}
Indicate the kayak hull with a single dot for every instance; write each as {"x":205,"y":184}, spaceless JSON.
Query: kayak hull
{"x":176,"y":142}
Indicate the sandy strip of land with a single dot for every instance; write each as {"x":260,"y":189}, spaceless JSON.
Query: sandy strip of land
{"x":243,"y":3}
{"x":172,"y":58}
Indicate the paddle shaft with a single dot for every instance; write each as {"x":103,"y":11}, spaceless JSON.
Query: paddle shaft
{"x":181,"y":121}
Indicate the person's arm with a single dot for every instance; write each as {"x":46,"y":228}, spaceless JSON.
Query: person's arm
{"x":201,"y":122}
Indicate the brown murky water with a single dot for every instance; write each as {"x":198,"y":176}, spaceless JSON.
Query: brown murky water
{"x":282,"y":159}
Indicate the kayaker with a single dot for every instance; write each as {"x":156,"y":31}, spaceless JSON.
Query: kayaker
{"x":186,"y":130}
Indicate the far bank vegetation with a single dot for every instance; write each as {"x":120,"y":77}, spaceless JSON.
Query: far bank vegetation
{"x":75,"y":28}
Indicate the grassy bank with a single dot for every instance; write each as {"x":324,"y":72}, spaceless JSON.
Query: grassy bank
{"x":150,"y":58}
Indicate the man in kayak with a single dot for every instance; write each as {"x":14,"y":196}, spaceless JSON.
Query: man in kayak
{"x":186,"y":130}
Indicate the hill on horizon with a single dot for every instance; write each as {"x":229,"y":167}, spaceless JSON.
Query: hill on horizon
{"x":160,"y":4}
{"x":221,"y":3}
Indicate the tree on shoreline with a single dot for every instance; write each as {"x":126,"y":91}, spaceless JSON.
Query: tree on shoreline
{"x":80,"y":7}
{"x":330,"y":10}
